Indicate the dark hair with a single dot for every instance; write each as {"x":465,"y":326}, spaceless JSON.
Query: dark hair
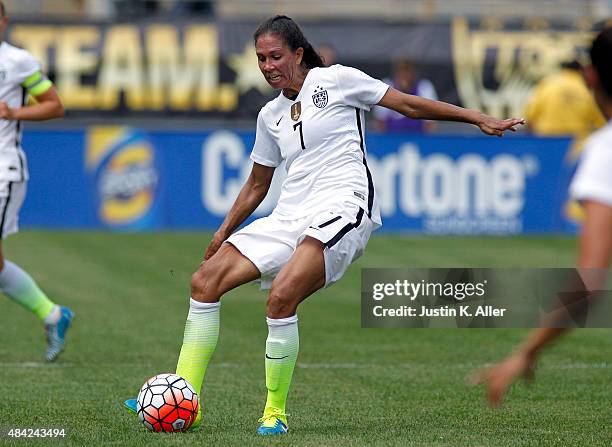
{"x":2,"y":10}
{"x":601,"y":56}
{"x":292,"y":35}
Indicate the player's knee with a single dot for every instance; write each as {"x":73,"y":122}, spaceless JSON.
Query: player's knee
{"x":204,"y":284}
{"x":282,"y":301}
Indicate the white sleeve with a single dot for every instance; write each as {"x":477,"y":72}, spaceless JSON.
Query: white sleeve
{"x":265,"y":151}
{"x":593,"y":179}
{"x":359,"y":89}
{"x":25,"y":66}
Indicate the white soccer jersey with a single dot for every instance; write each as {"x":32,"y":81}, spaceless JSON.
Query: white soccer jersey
{"x":320,"y":134}
{"x":16,"y":65}
{"x":593,"y":179}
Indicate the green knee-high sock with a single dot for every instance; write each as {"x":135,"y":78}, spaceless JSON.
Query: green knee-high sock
{"x":282,"y":348}
{"x":20,"y":287}
{"x":199,"y":342}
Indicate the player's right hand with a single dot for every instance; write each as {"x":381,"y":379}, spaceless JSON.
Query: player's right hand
{"x":5,"y":111}
{"x":214,"y":245}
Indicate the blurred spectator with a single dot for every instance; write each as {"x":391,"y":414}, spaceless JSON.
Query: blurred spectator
{"x":189,"y":7}
{"x":328,"y":54}
{"x":562,"y":104}
{"x":162,"y":7}
{"x":405,"y":80}
{"x":131,"y":8}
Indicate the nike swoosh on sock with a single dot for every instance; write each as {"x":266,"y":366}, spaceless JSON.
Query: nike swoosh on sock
{"x":276,"y":358}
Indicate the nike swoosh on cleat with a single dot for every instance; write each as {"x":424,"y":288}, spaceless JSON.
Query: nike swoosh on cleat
{"x":278,"y":122}
{"x":276,"y":358}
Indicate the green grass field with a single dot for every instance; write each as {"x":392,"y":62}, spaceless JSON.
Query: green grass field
{"x":352,"y":386}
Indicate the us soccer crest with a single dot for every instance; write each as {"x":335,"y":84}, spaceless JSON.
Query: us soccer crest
{"x":296,"y":111}
{"x":320,"y":97}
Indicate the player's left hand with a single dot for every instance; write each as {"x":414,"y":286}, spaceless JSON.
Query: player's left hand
{"x":6,"y":112}
{"x":500,"y":376}
{"x":494,"y":126}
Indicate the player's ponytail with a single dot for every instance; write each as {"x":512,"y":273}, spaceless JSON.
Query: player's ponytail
{"x":290,"y":32}
{"x":311,"y":58}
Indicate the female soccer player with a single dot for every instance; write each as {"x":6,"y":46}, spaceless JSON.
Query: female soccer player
{"x":20,"y":73}
{"x":592,"y":185}
{"x":326,"y":211}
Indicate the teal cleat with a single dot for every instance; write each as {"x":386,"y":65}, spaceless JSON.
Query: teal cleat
{"x":56,"y":334}
{"x":272,"y":425}
{"x":130,"y":406}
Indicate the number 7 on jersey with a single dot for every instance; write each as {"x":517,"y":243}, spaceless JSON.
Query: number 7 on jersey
{"x":295,"y":126}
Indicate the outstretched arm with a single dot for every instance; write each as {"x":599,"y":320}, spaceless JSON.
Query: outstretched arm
{"x":48,"y":106}
{"x":420,"y":108}
{"x":251,"y":195}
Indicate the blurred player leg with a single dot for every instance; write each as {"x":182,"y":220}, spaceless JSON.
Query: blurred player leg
{"x":20,"y":287}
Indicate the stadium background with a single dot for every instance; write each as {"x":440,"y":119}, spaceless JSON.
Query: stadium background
{"x":145,"y":66}
{"x":161,"y":102}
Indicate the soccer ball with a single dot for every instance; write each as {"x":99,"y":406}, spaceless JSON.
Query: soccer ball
{"x":167,"y":403}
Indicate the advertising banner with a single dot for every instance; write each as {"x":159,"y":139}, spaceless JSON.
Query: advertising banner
{"x":129,"y":179}
{"x":209,"y":69}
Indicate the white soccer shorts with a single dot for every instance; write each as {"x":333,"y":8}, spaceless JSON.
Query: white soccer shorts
{"x":12,"y":195}
{"x":270,"y":241}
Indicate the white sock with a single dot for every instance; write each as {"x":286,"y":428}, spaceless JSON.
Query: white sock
{"x":54,"y":316}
